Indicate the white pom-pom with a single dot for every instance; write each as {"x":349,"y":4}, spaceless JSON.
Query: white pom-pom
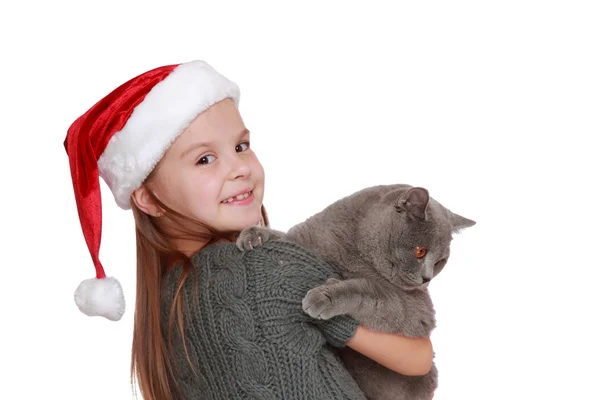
{"x":101,"y":297}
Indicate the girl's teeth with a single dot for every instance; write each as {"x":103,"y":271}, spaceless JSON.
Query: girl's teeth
{"x":239,"y":197}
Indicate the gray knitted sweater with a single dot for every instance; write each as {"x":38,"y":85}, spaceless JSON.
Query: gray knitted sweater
{"x":246,"y":334}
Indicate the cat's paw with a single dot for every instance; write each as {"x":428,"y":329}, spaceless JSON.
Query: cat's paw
{"x":332,"y":281}
{"x":319,"y":303}
{"x":252,"y":237}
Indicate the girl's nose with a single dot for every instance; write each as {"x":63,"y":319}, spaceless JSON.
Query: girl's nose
{"x":239,"y":167}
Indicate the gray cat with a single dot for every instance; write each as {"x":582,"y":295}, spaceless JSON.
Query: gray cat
{"x":387,"y":243}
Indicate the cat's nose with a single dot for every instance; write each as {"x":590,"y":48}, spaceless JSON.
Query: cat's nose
{"x":425,"y":279}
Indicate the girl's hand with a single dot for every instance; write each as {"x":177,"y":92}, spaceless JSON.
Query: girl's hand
{"x":401,"y":354}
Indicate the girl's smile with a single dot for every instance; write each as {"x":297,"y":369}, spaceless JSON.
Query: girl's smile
{"x":242,"y":198}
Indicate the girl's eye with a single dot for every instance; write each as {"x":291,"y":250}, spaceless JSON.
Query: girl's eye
{"x":206,"y":160}
{"x":420,"y":252}
{"x":242,"y":147}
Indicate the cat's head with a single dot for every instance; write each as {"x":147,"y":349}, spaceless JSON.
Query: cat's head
{"x":413,"y":232}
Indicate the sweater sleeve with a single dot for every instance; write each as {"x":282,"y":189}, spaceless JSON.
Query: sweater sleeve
{"x":338,"y":330}
{"x":296,"y":270}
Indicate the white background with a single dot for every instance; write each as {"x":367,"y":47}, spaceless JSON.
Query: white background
{"x":492,"y":106}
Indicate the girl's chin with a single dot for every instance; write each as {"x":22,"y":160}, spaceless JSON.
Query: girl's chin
{"x":242,"y":222}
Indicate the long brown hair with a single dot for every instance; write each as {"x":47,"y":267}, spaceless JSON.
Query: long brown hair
{"x":151,"y":366}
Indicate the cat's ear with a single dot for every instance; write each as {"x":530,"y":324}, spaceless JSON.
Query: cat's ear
{"x":415,"y":201}
{"x":459,"y":222}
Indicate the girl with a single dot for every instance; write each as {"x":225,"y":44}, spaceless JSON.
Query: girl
{"x":210,"y":321}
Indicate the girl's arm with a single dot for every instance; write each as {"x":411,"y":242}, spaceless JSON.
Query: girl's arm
{"x":401,"y":354}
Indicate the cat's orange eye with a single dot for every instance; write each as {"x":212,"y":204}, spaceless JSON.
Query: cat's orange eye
{"x":421,"y":251}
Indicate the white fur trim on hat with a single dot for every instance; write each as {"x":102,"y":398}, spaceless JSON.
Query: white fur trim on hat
{"x":133,"y":152}
{"x":101,"y":297}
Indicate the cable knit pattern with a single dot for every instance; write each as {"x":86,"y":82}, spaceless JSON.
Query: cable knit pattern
{"x":246,"y":334}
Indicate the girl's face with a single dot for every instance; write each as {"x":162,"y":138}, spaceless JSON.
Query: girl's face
{"x":211,"y":174}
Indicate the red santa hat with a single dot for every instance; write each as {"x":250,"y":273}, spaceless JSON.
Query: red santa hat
{"x":121,"y":139}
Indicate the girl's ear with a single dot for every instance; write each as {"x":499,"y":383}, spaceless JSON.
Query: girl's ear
{"x":144,"y":202}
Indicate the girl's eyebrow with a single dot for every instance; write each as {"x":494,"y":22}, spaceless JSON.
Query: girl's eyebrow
{"x":207,"y":144}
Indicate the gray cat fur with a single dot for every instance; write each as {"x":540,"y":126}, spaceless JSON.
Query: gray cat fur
{"x":370,"y":237}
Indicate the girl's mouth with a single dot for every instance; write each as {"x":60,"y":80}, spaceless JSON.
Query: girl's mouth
{"x":238,"y":199}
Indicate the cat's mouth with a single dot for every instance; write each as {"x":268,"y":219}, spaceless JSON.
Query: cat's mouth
{"x":406,"y":284}
{"x":400,"y":281}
